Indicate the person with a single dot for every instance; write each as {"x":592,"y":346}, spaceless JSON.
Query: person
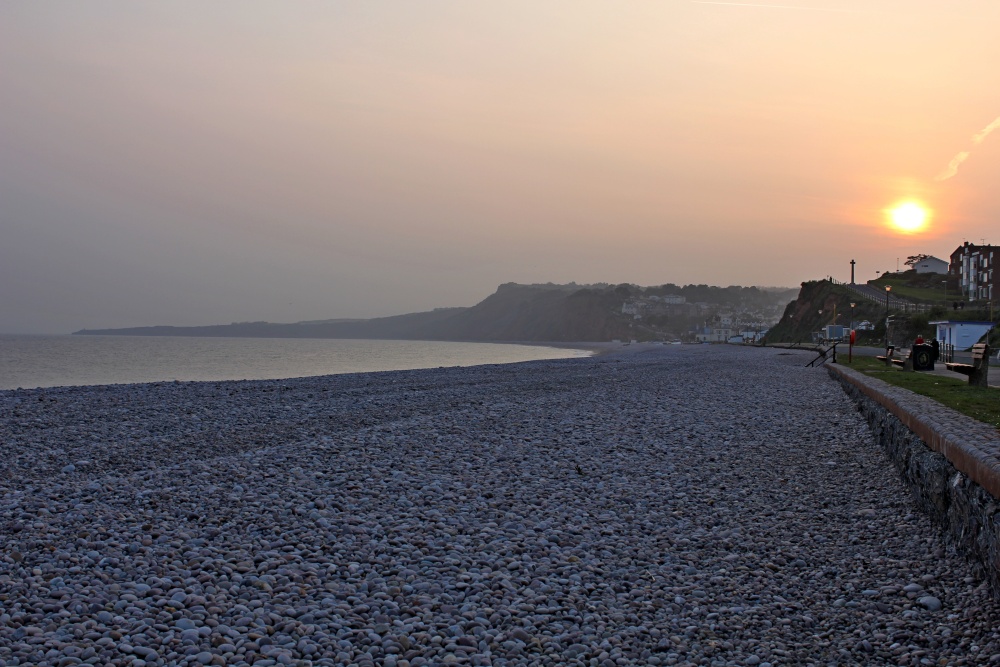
{"x":920,"y":340}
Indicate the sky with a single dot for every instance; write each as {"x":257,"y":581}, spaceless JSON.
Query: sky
{"x":196,"y":163}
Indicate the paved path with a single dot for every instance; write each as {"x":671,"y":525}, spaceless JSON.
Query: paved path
{"x":939,"y":367}
{"x":684,"y":505}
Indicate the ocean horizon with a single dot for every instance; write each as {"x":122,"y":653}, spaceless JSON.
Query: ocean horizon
{"x":40,"y":361}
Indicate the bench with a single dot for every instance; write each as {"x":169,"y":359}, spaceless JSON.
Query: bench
{"x":887,"y":358}
{"x":979,"y":370}
{"x":924,"y":360}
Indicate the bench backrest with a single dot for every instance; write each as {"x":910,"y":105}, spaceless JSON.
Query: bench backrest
{"x":980,"y":350}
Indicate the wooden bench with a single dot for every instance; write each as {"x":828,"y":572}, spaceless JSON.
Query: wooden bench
{"x":905,"y":363}
{"x":887,"y":358}
{"x":979,"y":370}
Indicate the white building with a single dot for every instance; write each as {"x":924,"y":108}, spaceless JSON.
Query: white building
{"x":963,"y":335}
{"x":672,"y":299}
{"x":931,"y":265}
{"x":634,"y":309}
{"x":714,"y":335}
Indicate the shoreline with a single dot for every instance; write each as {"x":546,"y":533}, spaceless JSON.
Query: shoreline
{"x":46,"y":362}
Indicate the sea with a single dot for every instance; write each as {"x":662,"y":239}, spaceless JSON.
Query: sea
{"x":30,"y":362}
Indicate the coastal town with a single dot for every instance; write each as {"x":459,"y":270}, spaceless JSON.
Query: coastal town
{"x":956,"y":298}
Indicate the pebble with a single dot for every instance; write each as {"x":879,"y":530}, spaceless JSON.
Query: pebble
{"x":673,"y":506}
{"x":930,"y":603}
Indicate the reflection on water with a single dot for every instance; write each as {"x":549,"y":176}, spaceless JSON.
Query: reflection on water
{"x":52,"y":361}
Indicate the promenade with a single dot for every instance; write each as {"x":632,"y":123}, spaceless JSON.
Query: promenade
{"x":939,"y":367}
{"x":660,"y":505}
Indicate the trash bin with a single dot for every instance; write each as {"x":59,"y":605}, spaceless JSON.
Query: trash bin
{"x":923,"y":357}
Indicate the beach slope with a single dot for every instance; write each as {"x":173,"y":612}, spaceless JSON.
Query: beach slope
{"x":672,"y":505}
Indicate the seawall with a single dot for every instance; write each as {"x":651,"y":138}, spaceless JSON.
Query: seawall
{"x":949,"y":461}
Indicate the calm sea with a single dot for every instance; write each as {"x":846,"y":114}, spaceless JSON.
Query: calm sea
{"x":55,"y":361}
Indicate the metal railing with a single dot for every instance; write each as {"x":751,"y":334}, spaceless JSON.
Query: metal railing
{"x":895,"y":303}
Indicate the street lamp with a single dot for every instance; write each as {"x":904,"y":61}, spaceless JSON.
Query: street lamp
{"x":850,"y":338}
{"x":888,"y":288}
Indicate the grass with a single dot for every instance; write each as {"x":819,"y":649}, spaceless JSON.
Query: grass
{"x":928,"y":288}
{"x":980,"y":403}
{"x":927,"y":295}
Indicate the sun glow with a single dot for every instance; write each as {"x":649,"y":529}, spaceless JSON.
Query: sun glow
{"x":908,"y":217}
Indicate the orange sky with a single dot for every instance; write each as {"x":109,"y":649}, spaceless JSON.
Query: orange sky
{"x":192,"y":163}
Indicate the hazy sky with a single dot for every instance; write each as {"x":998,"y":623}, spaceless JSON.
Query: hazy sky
{"x":208,"y":162}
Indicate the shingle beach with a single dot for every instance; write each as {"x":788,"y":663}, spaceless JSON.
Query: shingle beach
{"x":671,"y":505}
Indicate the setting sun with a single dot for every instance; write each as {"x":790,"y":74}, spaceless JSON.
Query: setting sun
{"x":908,"y":217}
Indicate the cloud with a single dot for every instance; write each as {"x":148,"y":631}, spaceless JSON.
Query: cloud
{"x":977,"y":139}
{"x":985,"y":132}
{"x":952,"y":167}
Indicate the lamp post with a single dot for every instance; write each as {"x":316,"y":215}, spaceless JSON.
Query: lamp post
{"x":850,"y":338}
{"x":888,"y":288}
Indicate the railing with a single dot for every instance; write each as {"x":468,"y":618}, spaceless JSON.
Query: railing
{"x":895,"y":303}
{"x":946,"y":353}
{"x":821,"y":357}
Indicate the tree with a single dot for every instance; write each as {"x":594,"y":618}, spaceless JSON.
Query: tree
{"x":913,"y":260}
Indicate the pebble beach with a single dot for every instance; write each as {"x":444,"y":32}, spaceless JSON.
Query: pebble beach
{"x":664,"y":505}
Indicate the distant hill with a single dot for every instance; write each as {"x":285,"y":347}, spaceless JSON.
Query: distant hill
{"x":513,"y":313}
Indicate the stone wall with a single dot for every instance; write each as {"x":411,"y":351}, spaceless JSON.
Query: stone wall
{"x":947,"y":460}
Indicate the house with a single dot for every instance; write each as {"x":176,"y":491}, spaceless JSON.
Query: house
{"x":713,"y":334}
{"x":753,"y":335}
{"x":931,"y":265}
{"x":963,"y":335}
{"x":634,"y":309}
{"x":973,"y":265}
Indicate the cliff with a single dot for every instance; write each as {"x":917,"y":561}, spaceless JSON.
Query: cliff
{"x":543,"y":313}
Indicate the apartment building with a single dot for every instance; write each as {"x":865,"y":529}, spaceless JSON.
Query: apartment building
{"x":973,"y":264}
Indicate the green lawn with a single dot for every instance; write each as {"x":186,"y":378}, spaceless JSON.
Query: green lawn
{"x":931,"y":295}
{"x":929,"y":290}
{"x":981,"y":403}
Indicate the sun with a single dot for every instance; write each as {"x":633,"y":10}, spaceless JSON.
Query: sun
{"x":908,"y":217}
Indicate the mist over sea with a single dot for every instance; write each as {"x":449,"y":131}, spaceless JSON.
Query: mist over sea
{"x":53,"y":361}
